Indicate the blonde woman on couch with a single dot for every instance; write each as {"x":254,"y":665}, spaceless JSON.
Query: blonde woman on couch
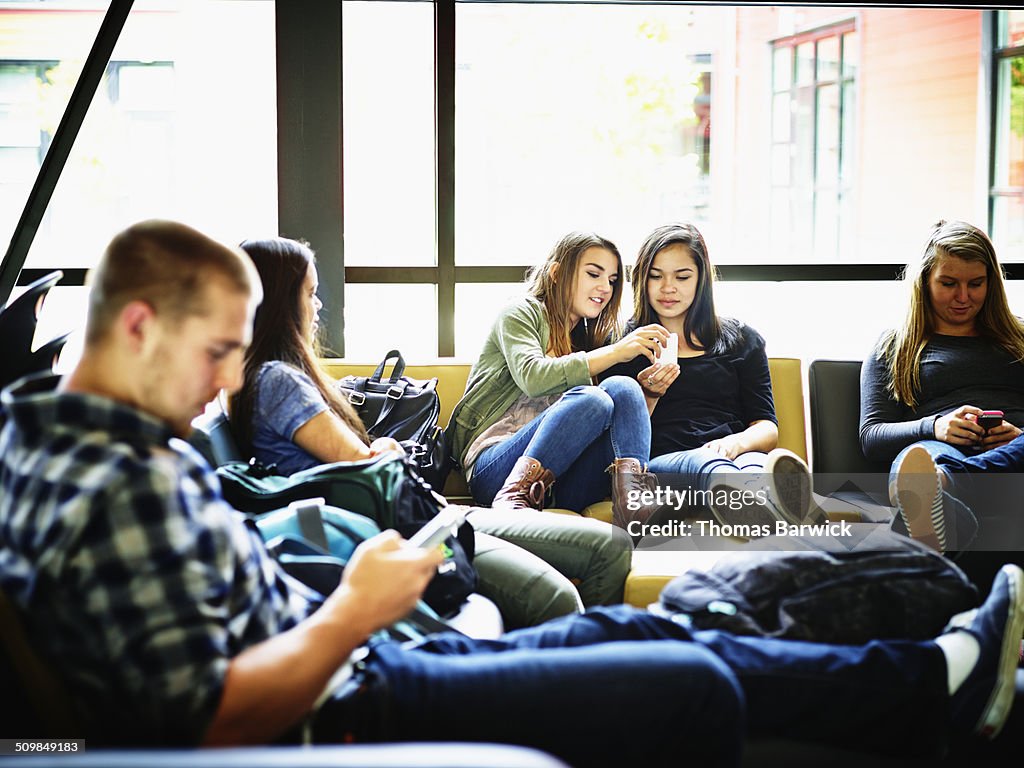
{"x":712,"y":413}
{"x":289,"y":413}
{"x":959,"y":351}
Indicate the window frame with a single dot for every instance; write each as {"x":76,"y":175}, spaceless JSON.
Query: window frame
{"x":322,"y":137}
{"x":997,"y":55}
{"x":841,"y":188}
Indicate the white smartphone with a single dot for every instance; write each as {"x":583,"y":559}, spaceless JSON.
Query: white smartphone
{"x":670,"y":352}
{"x":440,"y":527}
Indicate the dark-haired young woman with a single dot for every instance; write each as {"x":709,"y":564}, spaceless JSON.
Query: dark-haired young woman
{"x":713,"y":420}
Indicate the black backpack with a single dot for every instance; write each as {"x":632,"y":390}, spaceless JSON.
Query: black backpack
{"x":405,"y":409}
{"x":895,"y":589}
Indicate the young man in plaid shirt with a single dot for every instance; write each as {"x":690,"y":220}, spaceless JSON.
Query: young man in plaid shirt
{"x":170,"y":624}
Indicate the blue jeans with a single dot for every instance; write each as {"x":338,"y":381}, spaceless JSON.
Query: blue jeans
{"x":991,"y":485}
{"x":621,"y":686}
{"x":936,"y":449}
{"x":576,"y":438}
{"x":1008,"y":458}
{"x":697,"y":465}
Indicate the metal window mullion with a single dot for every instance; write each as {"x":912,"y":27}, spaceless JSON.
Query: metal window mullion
{"x":989,"y":40}
{"x":444,"y":120}
{"x":309,"y":144}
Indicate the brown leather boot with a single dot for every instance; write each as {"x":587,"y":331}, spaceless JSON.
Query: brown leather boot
{"x":525,"y":487}
{"x":629,"y":475}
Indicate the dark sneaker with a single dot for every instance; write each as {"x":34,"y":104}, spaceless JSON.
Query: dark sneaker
{"x":983,"y":702}
{"x":919,"y":498}
{"x":789,"y":483}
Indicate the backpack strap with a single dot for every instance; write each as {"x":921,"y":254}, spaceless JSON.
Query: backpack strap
{"x":396,"y":372}
{"x":395,"y":393}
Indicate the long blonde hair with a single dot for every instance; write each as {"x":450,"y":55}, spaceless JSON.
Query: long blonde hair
{"x":557,"y":295}
{"x":903,"y":347}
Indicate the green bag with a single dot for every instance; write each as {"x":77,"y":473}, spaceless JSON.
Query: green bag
{"x":384,"y":488}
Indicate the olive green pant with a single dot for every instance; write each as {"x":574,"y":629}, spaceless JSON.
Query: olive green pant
{"x":536,"y":566}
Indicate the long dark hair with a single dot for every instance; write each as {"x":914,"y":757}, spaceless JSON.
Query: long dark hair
{"x":280,"y":333}
{"x":702,"y":323}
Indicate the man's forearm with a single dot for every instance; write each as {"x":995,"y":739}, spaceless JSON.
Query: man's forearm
{"x":271,"y":686}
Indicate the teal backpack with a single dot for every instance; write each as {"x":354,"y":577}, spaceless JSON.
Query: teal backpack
{"x":384,"y":488}
{"x":313,"y":542}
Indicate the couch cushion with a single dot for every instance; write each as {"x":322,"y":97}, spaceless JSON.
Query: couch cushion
{"x":834,"y":395}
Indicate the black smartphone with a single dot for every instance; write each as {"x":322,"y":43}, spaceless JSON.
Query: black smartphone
{"x":990,"y":419}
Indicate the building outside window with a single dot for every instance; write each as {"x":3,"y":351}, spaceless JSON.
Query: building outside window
{"x":1007,"y":192}
{"x":812,"y":143}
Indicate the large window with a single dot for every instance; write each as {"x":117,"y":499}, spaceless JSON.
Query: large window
{"x":812,"y":134}
{"x":581,"y":117}
{"x":181,"y":127}
{"x":813,"y":145}
{"x":388,"y":61}
{"x":389,"y":173}
{"x":1008,"y":166}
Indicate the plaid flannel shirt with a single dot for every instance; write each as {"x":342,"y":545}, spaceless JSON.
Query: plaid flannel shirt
{"x":136,"y":578}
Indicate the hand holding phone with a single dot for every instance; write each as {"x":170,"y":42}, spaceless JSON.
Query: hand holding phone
{"x":444,"y":524}
{"x":990,"y":419}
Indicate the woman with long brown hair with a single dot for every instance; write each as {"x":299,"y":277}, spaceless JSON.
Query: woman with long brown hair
{"x":289,"y":412}
{"x":532,"y":424}
{"x":959,"y":351}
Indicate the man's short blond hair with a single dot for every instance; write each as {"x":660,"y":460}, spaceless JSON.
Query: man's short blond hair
{"x":167,"y":265}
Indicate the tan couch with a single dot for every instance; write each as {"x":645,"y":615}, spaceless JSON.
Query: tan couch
{"x":651,"y":570}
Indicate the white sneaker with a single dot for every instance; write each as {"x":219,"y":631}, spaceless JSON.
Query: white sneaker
{"x":789,"y":484}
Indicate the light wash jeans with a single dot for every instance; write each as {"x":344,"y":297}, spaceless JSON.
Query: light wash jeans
{"x":696,"y":466}
{"x":576,"y":438}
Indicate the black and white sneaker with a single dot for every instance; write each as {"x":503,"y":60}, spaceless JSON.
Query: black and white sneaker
{"x":982,"y":703}
{"x":744,"y":499}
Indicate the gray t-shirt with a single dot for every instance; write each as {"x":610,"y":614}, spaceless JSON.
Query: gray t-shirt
{"x":286,"y":398}
{"x":955,"y":371}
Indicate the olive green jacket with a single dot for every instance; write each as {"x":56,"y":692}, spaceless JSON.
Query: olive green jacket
{"x":513,"y":362}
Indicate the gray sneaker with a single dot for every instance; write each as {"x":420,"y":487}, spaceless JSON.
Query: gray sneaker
{"x":744,"y":499}
{"x":789,"y":484}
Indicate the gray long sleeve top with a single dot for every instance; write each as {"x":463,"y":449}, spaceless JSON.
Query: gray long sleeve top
{"x":955,"y":371}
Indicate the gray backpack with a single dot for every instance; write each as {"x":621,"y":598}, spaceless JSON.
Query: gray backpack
{"x":905,"y":590}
